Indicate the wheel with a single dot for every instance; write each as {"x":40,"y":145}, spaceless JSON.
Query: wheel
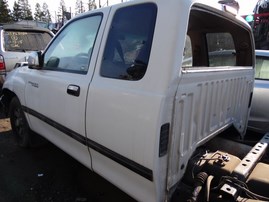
{"x":19,"y":124}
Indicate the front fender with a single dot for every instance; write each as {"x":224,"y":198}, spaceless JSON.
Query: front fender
{"x":14,"y":85}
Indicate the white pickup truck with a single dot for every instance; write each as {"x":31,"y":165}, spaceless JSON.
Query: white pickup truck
{"x":148,"y":94}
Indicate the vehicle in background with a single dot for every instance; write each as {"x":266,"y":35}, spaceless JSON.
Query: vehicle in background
{"x":259,"y":113}
{"x":259,"y":22}
{"x":17,"y":41}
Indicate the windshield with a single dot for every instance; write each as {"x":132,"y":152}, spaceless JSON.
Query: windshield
{"x":25,"y":40}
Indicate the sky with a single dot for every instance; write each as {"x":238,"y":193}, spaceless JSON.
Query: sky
{"x":246,"y":6}
{"x":54,"y":5}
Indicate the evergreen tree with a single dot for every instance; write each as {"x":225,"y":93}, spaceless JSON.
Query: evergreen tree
{"x":81,"y":9}
{"x":42,"y":15}
{"x":38,"y":13}
{"x":61,"y":10}
{"x":27,"y":14}
{"x":22,"y":11}
{"x":78,"y":8}
{"x":46,"y":13}
{"x":5,"y":15}
{"x":92,"y":5}
{"x":17,"y":14}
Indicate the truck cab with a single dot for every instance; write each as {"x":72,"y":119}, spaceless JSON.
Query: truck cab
{"x":133,"y":90}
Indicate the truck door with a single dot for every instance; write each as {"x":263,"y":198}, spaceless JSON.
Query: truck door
{"x":56,"y":95}
{"x":118,"y":100}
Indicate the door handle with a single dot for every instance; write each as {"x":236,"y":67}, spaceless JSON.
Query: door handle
{"x":73,"y":90}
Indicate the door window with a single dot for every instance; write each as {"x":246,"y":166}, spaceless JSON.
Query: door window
{"x":128,"y":45}
{"x":71,"y":51}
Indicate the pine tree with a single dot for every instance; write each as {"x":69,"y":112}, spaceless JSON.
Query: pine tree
{"x":78,"y":9}
{"x":38,"y":13}
{"x":46,"y":13}
{"x":61,"y":10}
{"x":22,"y":11}
{"x":5,"y":16}
{"x":17,"y":13}
{"x":27,"y":14}
{"x":81,"y":9}
{"x":92,"y":5}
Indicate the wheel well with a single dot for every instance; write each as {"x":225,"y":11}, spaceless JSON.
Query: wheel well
{"x":6,"y":97}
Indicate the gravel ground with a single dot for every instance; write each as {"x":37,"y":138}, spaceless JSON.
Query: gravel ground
{"x":47,"y":174}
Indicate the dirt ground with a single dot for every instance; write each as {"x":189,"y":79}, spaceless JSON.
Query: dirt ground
{"x":47,"y":174}
{"x":4,"y":125}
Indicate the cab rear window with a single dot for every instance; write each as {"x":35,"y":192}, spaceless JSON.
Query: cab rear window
{"x":215,"y":42}
{"x":22,"y":41}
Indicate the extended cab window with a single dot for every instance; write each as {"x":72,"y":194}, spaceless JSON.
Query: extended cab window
{"x":128,"y":45}
{"x":71,"y":50}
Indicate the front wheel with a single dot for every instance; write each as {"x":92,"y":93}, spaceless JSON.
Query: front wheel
{"x":19,"y":124}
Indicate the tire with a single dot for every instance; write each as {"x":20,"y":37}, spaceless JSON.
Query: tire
{"x":19,"y":124}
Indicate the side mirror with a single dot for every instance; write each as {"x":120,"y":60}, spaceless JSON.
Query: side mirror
{"x":35,"y":60}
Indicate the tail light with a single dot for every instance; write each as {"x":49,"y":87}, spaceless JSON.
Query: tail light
{"x":2,"y":64}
